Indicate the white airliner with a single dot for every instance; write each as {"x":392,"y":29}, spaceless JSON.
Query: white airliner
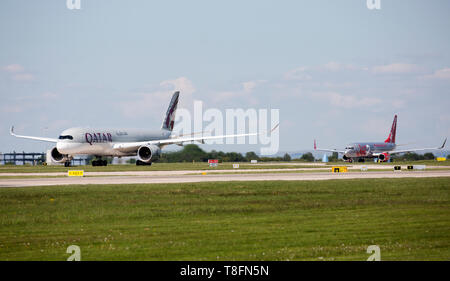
{"x":100,"y":142}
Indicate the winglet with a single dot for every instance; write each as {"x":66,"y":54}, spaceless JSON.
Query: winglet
{"x":442,"y":146}
{"x":315,"y":147}
{"x":11,"y":131}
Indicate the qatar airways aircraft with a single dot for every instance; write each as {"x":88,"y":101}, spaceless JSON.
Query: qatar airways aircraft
{"x":100,"y":142}
{"x":381,"y":150}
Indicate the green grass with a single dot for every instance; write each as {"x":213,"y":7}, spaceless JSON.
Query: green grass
{"x":155,"y":167}
{"x":297,"y":220}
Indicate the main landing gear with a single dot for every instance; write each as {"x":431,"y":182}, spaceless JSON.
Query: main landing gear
{"x":99,"y":162}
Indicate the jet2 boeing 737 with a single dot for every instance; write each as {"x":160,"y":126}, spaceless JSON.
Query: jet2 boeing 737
{"x":381,"y":150}
{"x":144,"y":144}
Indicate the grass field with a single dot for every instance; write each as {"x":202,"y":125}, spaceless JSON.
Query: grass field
{"x":409,"y":219}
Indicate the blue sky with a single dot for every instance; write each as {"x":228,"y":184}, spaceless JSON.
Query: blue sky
{"x":337,"y":71}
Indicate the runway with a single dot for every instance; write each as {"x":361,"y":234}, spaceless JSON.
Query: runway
{"x":320,"y":167}
{"x":183,"y":177}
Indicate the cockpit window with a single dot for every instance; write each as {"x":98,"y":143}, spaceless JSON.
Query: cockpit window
{"x":350,"y":147}
{"x":65,"y":137}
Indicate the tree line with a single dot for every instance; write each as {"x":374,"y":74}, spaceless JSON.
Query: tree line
{"x":192,"y":152}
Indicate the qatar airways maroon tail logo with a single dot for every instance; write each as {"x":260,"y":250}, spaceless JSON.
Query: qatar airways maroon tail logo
{"x":98,"y":137}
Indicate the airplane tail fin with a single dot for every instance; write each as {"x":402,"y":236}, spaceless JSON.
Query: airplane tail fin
{"x":169,"y":119}
{"x":391,"y":138}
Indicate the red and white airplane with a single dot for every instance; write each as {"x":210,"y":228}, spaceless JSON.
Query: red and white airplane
{"x":382,"y":150}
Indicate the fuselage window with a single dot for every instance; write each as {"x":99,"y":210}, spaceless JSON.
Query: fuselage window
{"x":65,"y":137}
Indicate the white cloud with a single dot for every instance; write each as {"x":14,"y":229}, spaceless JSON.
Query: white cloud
{"x":443,"y":74}
{"x":376,"y":128}
{"x":339,"y":85}
{"x":396,"y":68}
{"x":344,"y":101}
{"x":49,"y":95}
{"x":145,"y":104}
{"x":13,"y":68}
{"x":18,"y":73}
{"x":398,"y":103}
{"x":248,"y":88}
{"x":26,"y":77}
{"x":336,"y":66}
{"x":16,"y":108}
{"x":304,"y":73}
{"x":181,"y":84}
{"x":298,"y":74}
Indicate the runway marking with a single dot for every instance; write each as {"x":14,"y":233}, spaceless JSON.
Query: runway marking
{"x":177,"y":178}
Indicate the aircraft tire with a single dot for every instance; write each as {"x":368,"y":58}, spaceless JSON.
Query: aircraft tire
{"x":99,"y":162}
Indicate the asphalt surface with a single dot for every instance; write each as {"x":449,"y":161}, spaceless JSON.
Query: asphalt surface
{"x":187,"y":176}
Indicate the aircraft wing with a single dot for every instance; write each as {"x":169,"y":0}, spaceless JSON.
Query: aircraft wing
{"x":414,"y":149}
{"x":328,"y":150}
{"x":131,"y":146}
{"x":32,"y":138}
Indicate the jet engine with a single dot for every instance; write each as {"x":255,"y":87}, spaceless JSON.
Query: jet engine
{"x":58,"y":157}
{"x":345,"y":158}
{"x":384,"y":156}
{"x":148,"y":153}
